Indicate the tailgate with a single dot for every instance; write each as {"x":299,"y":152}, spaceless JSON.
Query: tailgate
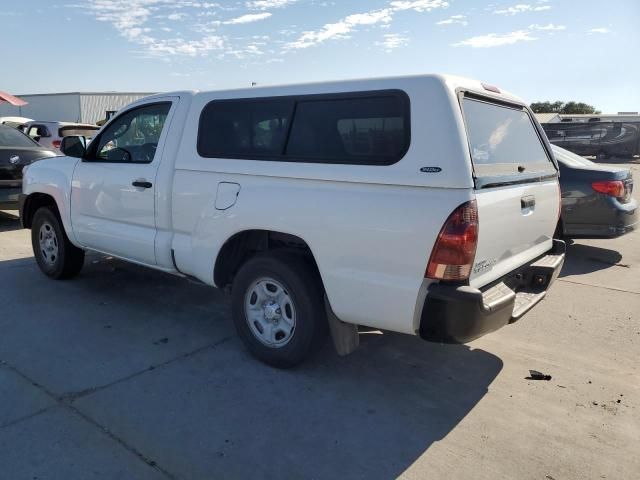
{"x":516,"y":225}
{"x":517,"y":189}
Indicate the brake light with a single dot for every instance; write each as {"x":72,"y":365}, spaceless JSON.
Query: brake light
{"x":455,"y":248}
{"x":491,"y":88}
{"x":613,"y":188}
{"x":56,"y":143}
{"x":559,"y":201}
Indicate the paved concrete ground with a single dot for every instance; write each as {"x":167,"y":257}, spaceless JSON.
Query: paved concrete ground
{"x":126,"y":373}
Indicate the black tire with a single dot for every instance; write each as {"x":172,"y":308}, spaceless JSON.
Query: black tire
{"x":67,"y":260}
{"x":302,"y":285}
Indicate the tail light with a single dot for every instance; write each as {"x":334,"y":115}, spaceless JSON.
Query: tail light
{"x":56,"y":143}
{"x":559,"y":201}
{"x":613,"y":188}
{"x":455,"y":249}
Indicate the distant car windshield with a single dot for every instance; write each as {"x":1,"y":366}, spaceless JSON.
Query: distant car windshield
{"x":569,"y":158}
{"x":10,"y":137}
{"x":503,"y":139}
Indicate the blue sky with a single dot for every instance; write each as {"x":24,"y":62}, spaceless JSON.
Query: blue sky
{"x":585,"y":50}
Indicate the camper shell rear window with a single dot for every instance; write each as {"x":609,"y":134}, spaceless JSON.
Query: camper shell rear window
{"x":77,"y":130}
{"x":362,"y":128}
{"x":503,"y":140}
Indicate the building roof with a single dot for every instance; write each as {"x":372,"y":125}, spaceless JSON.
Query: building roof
{"x":145,"y":94}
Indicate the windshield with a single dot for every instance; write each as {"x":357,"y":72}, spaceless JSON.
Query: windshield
{"x":503,"y":140}
{"x":10,"y":137}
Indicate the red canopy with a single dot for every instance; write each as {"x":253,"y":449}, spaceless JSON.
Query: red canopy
{"x":5,"y":97}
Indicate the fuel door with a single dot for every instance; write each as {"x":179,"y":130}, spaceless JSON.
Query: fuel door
{"x":227,"y":195}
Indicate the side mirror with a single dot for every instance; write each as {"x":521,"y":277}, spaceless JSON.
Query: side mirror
{"x":73,"y":146}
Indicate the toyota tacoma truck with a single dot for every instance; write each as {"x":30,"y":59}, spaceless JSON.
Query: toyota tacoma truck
{"x":424,"y":205}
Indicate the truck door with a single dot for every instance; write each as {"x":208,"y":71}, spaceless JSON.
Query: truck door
{"x":113,"y":192}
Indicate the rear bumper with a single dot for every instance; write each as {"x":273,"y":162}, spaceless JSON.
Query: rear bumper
{"x":460,"y":314}
{"x":619,"y":219}
{"x":9,"y":198}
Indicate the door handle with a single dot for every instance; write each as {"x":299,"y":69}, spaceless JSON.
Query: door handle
{"x":142,"y":184}
{"x":528,"y":202}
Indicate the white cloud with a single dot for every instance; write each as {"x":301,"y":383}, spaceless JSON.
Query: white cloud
{"x":496,"y":40}
{"x":343,"y":28}
{"x":550,"y":27}
{"x":248,"y":18}
{"x":454,"y":19}
{"x":599,"y":30}
{"x":268,"y":4}
{"x":176,"y":16}
{"x":391,"y":41}
{"x":522,"y":8}
{"x":418,"y":5}
{"x":140,"y":22}
{"x":179,"y":46}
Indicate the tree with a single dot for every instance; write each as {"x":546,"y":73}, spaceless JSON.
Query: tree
{"x":571,"y":108}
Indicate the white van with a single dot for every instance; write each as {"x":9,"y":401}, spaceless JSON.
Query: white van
{"x":424,"y":205}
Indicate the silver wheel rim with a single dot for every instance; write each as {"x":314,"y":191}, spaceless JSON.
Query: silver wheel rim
{"x":48,"y":243}
{"x":270,"y":312}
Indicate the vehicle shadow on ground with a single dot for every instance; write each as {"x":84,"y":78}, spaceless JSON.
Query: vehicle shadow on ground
{"x":216,"y":412}
{"x":9,"y":221}
{"x":582,"y":259}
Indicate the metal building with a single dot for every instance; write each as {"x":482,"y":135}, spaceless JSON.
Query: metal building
{"x":82,"y":107}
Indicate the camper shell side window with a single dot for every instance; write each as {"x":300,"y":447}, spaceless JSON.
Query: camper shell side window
{"x":361,"y":128}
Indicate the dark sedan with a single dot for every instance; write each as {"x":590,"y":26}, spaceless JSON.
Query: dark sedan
{"x":16,"y":151}
{"x":596,"y":200}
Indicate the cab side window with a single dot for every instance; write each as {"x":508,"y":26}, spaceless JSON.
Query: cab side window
{"x":133,"y":137}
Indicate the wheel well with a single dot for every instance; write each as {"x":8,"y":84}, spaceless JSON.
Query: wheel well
{"x":33,"y":203}
{"x":244,"y":245}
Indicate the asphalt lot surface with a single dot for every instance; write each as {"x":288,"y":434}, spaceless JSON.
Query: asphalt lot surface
{"x":127,"y":373}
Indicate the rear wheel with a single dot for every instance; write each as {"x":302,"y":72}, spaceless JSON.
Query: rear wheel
{"x":56,"y":256}
{"x":278,"y":308}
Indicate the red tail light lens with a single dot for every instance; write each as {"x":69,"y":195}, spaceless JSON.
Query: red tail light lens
{"x":56,"y":143}
{"x":455,"y":249}
{"x":613,"y":188}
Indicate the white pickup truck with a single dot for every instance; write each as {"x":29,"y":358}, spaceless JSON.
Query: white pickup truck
{"x":424,"y":205}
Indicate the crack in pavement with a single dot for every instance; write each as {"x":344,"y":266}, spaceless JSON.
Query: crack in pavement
{"x":616,"y":289}
{"x":26,"y":417}
{"x":70,"y":397}
{"x":66,"y":401}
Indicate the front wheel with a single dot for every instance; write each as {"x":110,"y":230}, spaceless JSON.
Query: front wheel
{"x":56,"y":256}
{"x":278,"y":308}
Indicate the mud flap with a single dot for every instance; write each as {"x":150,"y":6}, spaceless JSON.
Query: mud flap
{"x":345,"y":335}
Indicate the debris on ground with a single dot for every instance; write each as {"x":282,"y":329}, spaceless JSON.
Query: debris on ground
{"x":161,"y":341}
{"x":535,"y":375}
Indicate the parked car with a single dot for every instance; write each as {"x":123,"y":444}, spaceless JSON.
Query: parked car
{"x":16,"y":151}
{"x":596,"y":199}
{"x":348,"y":203}
{"x":50,"y":134}
{"x":15,"y":122}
